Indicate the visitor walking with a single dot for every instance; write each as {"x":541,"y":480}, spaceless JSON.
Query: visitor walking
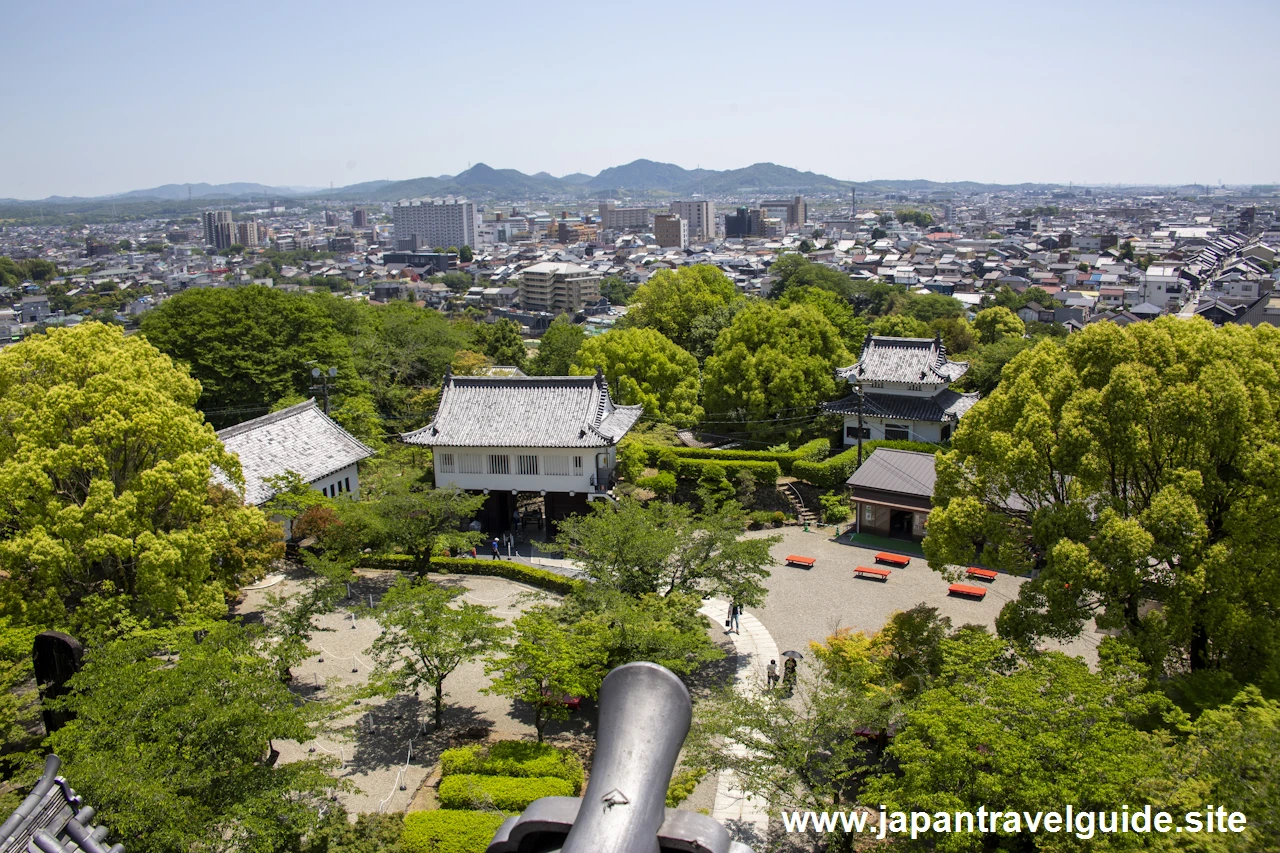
{"x":789,"y":676}
{"x":731,"y":621}
{"x":494,"y":546}
{"x":772,"y":673}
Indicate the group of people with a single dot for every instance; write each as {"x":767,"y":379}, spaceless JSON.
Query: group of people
{"x":788,"y":675}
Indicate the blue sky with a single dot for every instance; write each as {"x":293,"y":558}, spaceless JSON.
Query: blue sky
{"x":105,"y":97}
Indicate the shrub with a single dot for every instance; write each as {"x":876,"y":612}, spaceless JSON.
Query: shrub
{"x":762,"y":517}
{"x":505,"y":793}
{"x":516,"y":758}
{"x":662,"y":484}
{"x":631,"y":460}
{"x":693,"y":469}
{"x":449,"y":831}
{"x":511,"y":571}
{"x":682,"y":785}
{"x":835,"y":507}
{"x":832,"y":473}
{"x":810,"y":451}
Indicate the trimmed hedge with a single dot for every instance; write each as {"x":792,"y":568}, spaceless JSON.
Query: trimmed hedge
{"x":832,"y":473}
{"x":505,"y":793}
{"x":764,"y":472}
{"x":810,"y":452}
{"x":449,"y":831}
{"x":517,"y":758}
{"x":504,"y":569}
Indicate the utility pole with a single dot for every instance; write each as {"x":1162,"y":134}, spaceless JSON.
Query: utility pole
{"x":858,"y":386}
{"x":323,"y":387}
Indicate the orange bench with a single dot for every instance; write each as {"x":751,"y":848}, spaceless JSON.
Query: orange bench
{"x":893,"y":559}
{"x":966,"y":589}
{"x":797,"y":560}
{"x":867,"y":571}
{"x":985,"y":574}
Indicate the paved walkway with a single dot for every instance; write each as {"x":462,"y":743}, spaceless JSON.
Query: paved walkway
{"x":746,"y":817}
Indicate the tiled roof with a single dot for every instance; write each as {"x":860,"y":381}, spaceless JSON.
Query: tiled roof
{"x":300,"y":438}
{"x":54,"y":819}
{"x":903,"y":360}
{"x":526,"y":411}
{"x":946,"y":405}
{"x":903,"y":471}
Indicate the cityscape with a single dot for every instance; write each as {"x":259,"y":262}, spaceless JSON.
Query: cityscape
{"x":817,"y":431}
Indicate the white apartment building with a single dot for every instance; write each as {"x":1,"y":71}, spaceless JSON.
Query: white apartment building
{"x":436,"y":222}
{"x":701,"y":216}
{"x":558,"y":287}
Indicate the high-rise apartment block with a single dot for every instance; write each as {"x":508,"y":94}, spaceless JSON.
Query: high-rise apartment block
{"x":330,"y":219}
{"x":219,"y":230}
{"x":558,"y":287}
{"x":359,"y":218}
{"x":701,"y":216}
{"x":671,"y":231}
{"x":437,"y":222}
{"x":614,"y":218}
{"x":247,"y":234}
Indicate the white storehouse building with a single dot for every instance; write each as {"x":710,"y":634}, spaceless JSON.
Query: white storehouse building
{"x":555,"y":437}
{"x":904,"y":394}
{"x":301,"y":439}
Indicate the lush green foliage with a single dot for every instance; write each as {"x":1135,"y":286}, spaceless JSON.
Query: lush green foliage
{"x":617,"y":291}
{"x":515,"y":758}
{"x":643,"y":367}
{"x":449,"y":831}
{"x":810,"y":451}
{"x":771,"y":368}
{"x":405,"y":514}
{"x":665,"y":629}
{"x":997,"y":323}
{"x":169,"y":744}
{"x":501,"y":342}
{"x":105,"y":468}
{"x":672,"y":300}
{"x":506,"y":793}
{"x":1130,"y":466}
{"x":531,"y":575}
{"x":426,"y":635}
{"x":557,"y":348}
{"x":682,"y":785}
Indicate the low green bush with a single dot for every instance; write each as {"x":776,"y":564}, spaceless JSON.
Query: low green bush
{"x":449,"y":831}
{"x":664,"y":457}
{"x":694,"y":469}
{"x":682,"y":785}
{"x":835,"y":507}
{"x":517,"y":758}
{"x":504,"y":569}
{"x":505,"y":793}
{"x":833,"y":472}
{"x":662,"y":484}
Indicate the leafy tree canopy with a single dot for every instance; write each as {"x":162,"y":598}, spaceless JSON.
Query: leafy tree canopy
{"x":105,"y":468}
{"x":996,"y":324}
{"x":558,"y":348}
{"x":643,"y":367}
{"x":671,"y":300}
{"x":793,"y":269}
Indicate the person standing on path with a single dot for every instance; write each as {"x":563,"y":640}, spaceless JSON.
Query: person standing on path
{"x":772,"y":673}
{"x":789,"y":676}
{"x":494,"y":546}
{"x":731,"y":622}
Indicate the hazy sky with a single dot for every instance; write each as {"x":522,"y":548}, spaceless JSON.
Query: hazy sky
{"x":104,"y":97}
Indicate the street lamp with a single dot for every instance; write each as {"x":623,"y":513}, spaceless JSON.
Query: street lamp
{"x":323,"y":387}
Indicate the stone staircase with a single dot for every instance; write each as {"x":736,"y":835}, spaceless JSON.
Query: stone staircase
{"x":805,"y":515}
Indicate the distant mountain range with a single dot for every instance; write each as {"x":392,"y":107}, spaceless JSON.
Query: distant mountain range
{"x":638,"y":178}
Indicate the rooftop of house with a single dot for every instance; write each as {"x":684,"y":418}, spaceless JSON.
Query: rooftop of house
{"x":945,"y":406}
{"x":526,"y":411}
{"x":301,"y":438}
{"x":908,"y":360}
{"x":904,"y":472}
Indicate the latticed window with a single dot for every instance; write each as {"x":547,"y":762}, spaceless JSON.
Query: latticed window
{"x":470,"y":463}
{"x":499,"y":463}
{"x":557,"y":466}
{"x":444,"y":462}
{"x":577,"y":465}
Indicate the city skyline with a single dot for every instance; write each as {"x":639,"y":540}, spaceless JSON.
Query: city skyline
{"x":997,"y":93}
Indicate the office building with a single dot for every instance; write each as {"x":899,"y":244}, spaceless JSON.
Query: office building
{"x":671,"y":231}
{"x":570,"y":231}
{"x":437,"y":222}
{"x":701,"y":216}
{"x":247,"y":234}
{"x":219,"y":230}
{"x":558,"y":287}
{"x":745,"y":223}
{"x":359,"y":218}
{"x":614,"y":218}
{"x":794,"y":212}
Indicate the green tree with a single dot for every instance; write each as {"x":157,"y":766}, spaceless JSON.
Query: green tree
{"x":125,"y":245}
{"x":853,"y":328}
{"x":458,"y":282}
{"x":643,"y":367}
{"x":995,"y":324}
{"x":465,"y":255}
{"x":105,"y":468}
{"x":933,"y":306}
{"x":794,"y":270}
{"x":1131,"y":467}
{"x":956,"y":332}
{"x":399,"y":349}
{"x":706,"y":329}
{"x":671,"y":300}
{"x":665,"y":629}
{"x":235,"y":249}
{"x":772,"y":367}
{"x":249,"y":346}
{"x":548,"y":662}
{"x":910,"y":216}
{"x":617,"y":290}
{"x":558,"y":347}
{"x":406,"y":515}
{"x":900,"y":326}
{"x":170,"y":742}
{"x":986,"y":364}
{"x":289,"y":620}
{"x":501,"y":342}
{"x":663,"y":548}
{"x":426,"y":635}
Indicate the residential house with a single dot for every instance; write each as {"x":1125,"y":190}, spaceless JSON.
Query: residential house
{"x":553,"y":437}
{"x":892,"y":493}
{"x":33,"y":309}
{"x":900,"y":386}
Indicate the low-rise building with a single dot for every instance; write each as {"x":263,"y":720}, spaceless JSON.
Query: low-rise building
{"x":558,"y":287}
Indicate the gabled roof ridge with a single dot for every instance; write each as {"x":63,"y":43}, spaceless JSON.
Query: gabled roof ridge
{"x":267,"y":420}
